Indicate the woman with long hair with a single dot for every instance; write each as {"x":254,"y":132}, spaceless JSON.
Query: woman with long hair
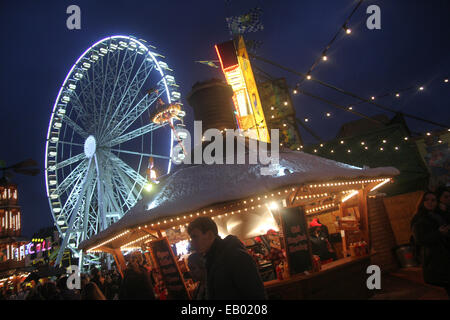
{"x":432,"y":234}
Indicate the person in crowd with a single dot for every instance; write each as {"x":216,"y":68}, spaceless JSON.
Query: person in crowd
{"x":64,"y":292}
{"x":49,"y":291}
{"x":92,"y":292}
{"x":443,"y":196}
{"x":231,"y":271}
{"x":136,"y":284}
{"x":198,"y":273}
{"x":318,"y":234}
{"x":432,"y":234}
{"x":97,"y":277}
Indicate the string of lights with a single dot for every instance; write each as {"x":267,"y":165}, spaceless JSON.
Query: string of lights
{"x":323,"y":56}
{"x":348,"y":93}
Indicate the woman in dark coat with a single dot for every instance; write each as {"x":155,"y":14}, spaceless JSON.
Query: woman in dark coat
{"x":136,"y":284}
{"x":432,"y":233}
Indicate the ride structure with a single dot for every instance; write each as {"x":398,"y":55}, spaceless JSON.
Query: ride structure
{"x":101,"y":136}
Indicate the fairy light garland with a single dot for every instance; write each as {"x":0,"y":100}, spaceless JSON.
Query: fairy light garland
{"x":166,"y":223}
{"x":134,"y":241}
{"x":109,"y":240}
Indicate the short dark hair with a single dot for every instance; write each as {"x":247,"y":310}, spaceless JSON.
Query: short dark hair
{"x":204,"y":224}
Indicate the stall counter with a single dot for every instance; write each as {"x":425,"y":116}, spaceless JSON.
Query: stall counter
{"x":341,"y":279}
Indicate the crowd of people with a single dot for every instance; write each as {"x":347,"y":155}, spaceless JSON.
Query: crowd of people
{"x":96,"y":285}
{"x":138,"y":283}
{"x":223,"y":269}
{"x":220,"y":269}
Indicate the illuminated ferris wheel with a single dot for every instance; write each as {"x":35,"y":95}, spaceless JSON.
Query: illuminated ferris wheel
{"x":101,"y":137}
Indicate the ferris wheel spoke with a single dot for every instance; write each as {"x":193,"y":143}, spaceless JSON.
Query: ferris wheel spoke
{"x":75,"y":127}
{"x":73,"y":177}
{"x":72,"y":143}
{"x":83,"y":114}
{"x":130,"y":194}
{"x":128,"y":170}
{"x":88,"y":99}
{"x":115,"y":211}
{"x":70,"y":161}
{"x":110,"y":74}
{"x":133,"y":89}
{"x":87,"y":205}
{"x":142,"y":154}
{"x":133,"y":134}
{"x":120,"y":190}
{"x":126,"y":68}
{"x":71,"y":208}
{"x":100,"y":193}
{"x":134,"y":113}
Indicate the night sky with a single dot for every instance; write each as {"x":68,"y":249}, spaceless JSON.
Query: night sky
{"x":411,"y":49}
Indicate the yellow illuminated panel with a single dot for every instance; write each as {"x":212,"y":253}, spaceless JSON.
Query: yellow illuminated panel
{"x":252,"y":91}
{"x":249,"y":113}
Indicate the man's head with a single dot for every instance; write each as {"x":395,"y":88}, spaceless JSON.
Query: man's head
{"x":203,"y":231}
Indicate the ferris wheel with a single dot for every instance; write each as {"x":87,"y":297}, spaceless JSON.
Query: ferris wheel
{"x":102,"y":136}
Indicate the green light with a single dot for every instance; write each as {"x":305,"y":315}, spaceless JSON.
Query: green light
{"x":148,"y":187}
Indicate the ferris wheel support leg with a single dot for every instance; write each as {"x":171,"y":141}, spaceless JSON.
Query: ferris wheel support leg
{"x":80,"y":261}
{"x":72,"y":218}
{"x":101,"y":207}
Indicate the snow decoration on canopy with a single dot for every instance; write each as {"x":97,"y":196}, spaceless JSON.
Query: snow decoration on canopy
{"x":193,"y":187}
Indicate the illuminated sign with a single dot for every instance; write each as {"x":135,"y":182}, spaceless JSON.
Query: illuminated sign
{"x":239,"y":75}
{"x":31,"y":248}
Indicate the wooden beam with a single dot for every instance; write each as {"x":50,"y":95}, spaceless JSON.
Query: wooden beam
{"x":120,"y":261}
{"x":364,"y":218}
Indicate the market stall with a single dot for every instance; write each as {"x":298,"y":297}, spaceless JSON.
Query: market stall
{"x":285,"y":220}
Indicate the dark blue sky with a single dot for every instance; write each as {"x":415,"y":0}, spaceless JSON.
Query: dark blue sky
{"x":37,"y":51}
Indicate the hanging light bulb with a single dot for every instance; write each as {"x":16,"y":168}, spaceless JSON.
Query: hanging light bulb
{"x":373,"y":98}
{"x":445,"y":80}
{"x":308,"y":77}
{"x":324,"y":58}
{"x":421,"y":88}
{"x":397,"y":95}
{"x":350,"y":108}
{"x":328,"y":114}
{"x":295,"y":91}
{"x":348,"y":30}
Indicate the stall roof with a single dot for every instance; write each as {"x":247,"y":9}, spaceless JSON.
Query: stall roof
{"x":192,"y":187}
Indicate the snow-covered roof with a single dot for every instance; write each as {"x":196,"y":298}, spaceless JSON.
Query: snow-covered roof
{"x":193,"y":187}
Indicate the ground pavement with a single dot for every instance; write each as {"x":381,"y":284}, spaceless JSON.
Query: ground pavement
{"x":407,"y":284}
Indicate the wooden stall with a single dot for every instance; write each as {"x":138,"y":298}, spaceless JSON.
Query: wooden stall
{"x":276,"y":228}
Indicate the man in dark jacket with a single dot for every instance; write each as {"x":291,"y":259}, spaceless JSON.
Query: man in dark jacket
{"x":231,"y":272}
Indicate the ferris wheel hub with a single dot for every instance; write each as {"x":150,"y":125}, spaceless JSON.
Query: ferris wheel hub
{"x":90,"y":145}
